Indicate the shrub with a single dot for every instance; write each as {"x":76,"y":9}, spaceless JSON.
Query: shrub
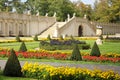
{"x":12,"y":67}
{"x":76,"y":54}
{"x":61,"y":37}
{"x":48,"y":37}
{"x":18,"y":39}
{"x":23,"y":47}
{"x":71,"y":37}
{"x":95,"y":50}
{"x":62,"y":45}
{"x":36,"y":38}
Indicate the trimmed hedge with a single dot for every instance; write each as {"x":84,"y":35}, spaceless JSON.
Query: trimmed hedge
{"x":112,"y":39}
{"x":63,"y":45}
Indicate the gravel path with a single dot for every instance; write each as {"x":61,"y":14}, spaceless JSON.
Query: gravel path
{"x":88,"y":66}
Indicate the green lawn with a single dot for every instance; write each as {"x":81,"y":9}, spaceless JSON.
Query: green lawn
{"x":14,"y":78}
{"x":107,"y":47}
{"x":16,"y":45}
{"x":2,"y":77}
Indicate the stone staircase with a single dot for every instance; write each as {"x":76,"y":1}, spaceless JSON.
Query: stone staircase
{"x":50,"y":30}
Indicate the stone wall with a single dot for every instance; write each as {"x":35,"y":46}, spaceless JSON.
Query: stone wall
{"x":109,"y":28}
{"x":12,"y":24}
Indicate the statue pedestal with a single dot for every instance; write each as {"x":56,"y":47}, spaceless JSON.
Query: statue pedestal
{"x":99,"y":41}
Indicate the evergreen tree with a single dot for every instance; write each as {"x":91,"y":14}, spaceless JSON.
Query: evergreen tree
{"x":23,"y":47}
{"x":12,"y":67}
{"x":76,"y":54}
{"x":48,"y":37}
{"x":95,"y":50}
{"x":61,"y":37}
{"x":72,"y":38}
{"x":36,"y":38}
{"x":18,"y":39}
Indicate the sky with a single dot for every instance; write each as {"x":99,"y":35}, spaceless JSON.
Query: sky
{"x":84,"y":1}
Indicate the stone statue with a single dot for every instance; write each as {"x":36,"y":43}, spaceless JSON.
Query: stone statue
{"x":54,"y":14}
{"x":37,"y":14}
{"x":46,"y":14}
{"x":74,"y":14}
{"x":29,"y":12}
{"x":68,"y":16}
{"x":85,"y":16}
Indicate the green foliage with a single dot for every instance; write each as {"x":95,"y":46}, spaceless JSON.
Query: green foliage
{"x":48,"y":37}
{"x":76,"y":54}
{"x":23,"y":47}
{"x":95,"y":50}
{"x":72,"y":38}
{"x":62,"y":45}
{"x":12,"y":67}
{"x":61,"y":37}
{"x":18,"y":39}
{"x":107,"y":11}
{"x":36,"y":38}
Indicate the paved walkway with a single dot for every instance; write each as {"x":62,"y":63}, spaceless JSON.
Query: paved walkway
{"x":88,"y":66}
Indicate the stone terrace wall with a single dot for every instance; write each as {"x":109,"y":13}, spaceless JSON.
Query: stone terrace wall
{"x":109,"y":28}
{"x":12,"y":24}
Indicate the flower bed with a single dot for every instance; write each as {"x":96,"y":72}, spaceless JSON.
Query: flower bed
{"x":43,"y":54}
{"x":47,"y":72}
{"x":101,"y":59}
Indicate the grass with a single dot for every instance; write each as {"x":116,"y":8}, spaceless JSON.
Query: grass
{"x":2,"y":77}
{"x":106,"y":47}
{"x":14,"y":78}
{"x":16,"y":45}
{"x":63,"y":61}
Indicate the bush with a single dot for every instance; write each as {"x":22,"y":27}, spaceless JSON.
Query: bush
{"x":61,"y":37}
{"x":76,"y":54}
{"x":12,"y":67}
{"x":95,"y":50}
{"x":18,"y":39}
{"x":48,"y":37}
{"x":71,"y":37}
{"x":23,"y":47}
{"x":62,"y":45}
{"x":35,"y":38}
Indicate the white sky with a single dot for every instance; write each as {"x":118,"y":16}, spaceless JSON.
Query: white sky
{"x":85,"y":1}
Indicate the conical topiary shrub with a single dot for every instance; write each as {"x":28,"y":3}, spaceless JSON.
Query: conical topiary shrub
{"x":12,"y":67}
{"x":48,"y":37}
{"x":95,"y":50}
{"x":36,"y":38}
{"x":23,"y":47}
{"x":61,"y":37}
{"x":76,"y":54}
{"x":18,"y":39}
{"x":72,"y":38}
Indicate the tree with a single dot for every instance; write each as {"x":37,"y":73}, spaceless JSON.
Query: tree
{"x":18,"y":39}
{"x":61,"y":37}
{"x":12,"y":67}
{"x":114,"y":10}
{"x":76,"y":54}
{"x":23,"y":47}
{"x":48,"y":37}
{"x":36,"y":38}
{"x":101,"y":11}
{"x":95,"y":50}
{"x":5,"y":5}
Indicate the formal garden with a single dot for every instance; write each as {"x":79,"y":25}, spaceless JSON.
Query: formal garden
{"x":76,"y":50}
